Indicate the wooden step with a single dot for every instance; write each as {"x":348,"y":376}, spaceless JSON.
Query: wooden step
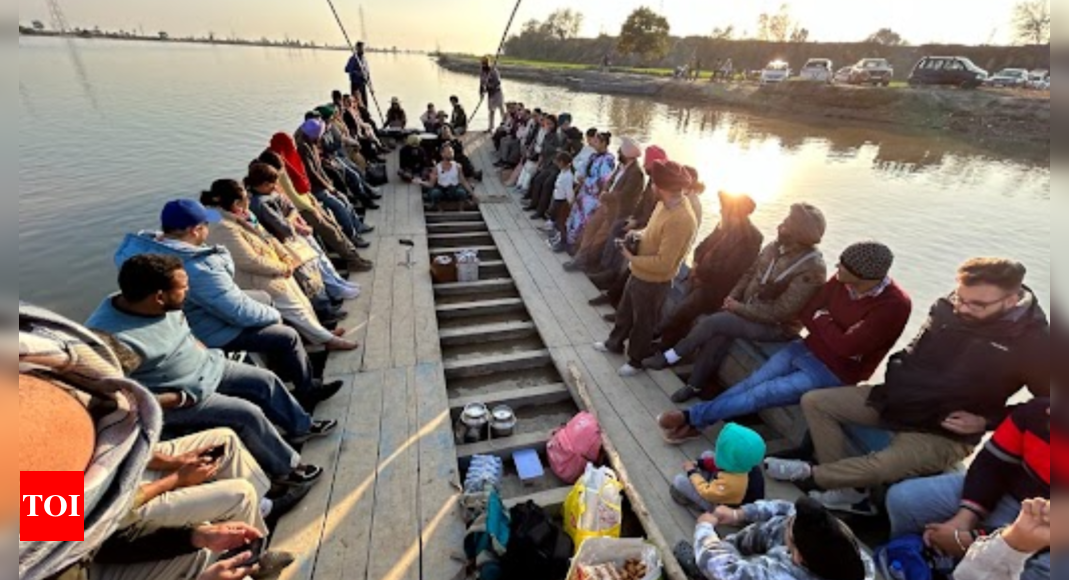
{"x":481,"y":308}
{"x":493,"y":268}
{"x":451,"y":251}
{"x":474,"y":288}
{"x":462,"y":216}
{"x":552,"y":500}
{"x":518,"y":398}
{"x":504,"y":448}
{"x":457,"y":227}
{"x":482,"y":367}
{"x":487,"y":333}
{"x":460,"y":241}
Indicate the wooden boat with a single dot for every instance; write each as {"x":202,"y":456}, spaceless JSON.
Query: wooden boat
{"x":521,"y":336}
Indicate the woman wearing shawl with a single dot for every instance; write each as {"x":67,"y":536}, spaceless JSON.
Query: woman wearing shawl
{"x":602,"y":165}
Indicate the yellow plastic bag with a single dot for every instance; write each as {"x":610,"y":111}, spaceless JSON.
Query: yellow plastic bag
{"x":594,"y":508}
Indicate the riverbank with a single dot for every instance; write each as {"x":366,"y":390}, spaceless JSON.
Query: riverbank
{"x":1008,"y":123}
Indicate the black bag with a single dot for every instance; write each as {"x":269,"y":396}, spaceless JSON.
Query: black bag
{"x":376,"y":174}
{"x":538,"y":548}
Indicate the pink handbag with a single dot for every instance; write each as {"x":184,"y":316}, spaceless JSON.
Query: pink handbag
{"x":573,"y":446}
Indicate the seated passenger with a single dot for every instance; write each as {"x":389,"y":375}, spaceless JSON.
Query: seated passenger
{"x":719,"y":263}
{"x":430,"y":119}
{"x":199,"y":388}
{"x":731,"y":475}
{"x":783,"y":542}
{"x":955,"y":511}
{"x":459,"y":119}
{"x":764,"y":305}
{"x":853,"y":323}
{"x":308,"y":145}
{"x":262,"y":263}
{"x":414,"y":161}
{"x":448,"y":137}
{"x":981,"y":345}
{"x":448,"y":183}
{"x":395,"y":116}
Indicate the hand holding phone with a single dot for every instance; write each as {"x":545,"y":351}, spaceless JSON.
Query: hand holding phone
{"x":215,"y":454}
{"x":256,"y":548}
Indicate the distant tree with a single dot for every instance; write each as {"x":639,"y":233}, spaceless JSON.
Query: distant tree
{"x":800,"y":35}
{"x":645,"y":33}
{"x":1031,"y":21}
{"x":780,"y":27}
{"x":564,"y":24}
{"x":164,"y":36}
{"x":531,"y":27}
{"x":723,"y":33}
{"x":38,"y":25}
{"x":886,"y":37}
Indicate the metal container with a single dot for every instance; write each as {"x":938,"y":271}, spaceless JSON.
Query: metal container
{"x":475,"y":418}
{"x":502,"y":422}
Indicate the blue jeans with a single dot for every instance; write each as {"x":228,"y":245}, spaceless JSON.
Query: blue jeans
{"x":781,"y":382}
{"x":914,"y":504}
{"x":343,"y":212}
{"x":264,"y":389}
{"x":285,"y":353}
{"x":447,"y":193}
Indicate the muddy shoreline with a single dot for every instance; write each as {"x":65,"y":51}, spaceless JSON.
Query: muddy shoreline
{"x":1010,"y":124}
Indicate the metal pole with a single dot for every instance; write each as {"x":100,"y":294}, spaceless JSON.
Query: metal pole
{"x":497,"y":57}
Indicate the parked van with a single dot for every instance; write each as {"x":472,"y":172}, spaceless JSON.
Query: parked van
{"x":955,"y":71}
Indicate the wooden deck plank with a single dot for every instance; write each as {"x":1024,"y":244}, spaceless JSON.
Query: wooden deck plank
{"x":442,"y":526}
{"x":356,"y":326}
{"x":537,"y":305}
{"x":403,"y":313}
{"x":428,"y":346}
{"x":378,"y":342}
{"x":346,"y":530}
{"x":504,"y":448}
{"x":479,"y":367}
{"x":395,"y":544}
{"x":490,"y":332}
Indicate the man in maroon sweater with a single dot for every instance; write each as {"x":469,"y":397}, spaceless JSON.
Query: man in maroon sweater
{"x":853,"y":323}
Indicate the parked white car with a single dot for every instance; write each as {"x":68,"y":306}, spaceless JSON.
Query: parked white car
{"x":819,"y":70}
{"x":777,"y":71}
{"x":1009,"y":78}
{"x":1039,"y":80}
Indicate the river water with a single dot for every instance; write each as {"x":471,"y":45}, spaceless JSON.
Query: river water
{"x":103,"y":145}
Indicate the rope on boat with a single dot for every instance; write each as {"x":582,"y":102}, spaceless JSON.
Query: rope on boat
{"x":497,"y":57}
{"x":352,"y":47}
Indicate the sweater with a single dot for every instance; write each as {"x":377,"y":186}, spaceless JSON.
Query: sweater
{"x":856,"y":336}
{"x":759,"y":552}
{"x":665,"y":243}
{"x":172,"y":361}
{"x":1015,"y":462}
{"x":724,"y":489}
{"x":955,"y":365}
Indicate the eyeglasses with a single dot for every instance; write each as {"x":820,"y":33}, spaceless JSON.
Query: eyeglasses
{"x":977,"y":305}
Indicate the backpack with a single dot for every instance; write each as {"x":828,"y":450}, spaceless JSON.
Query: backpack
{"x":572,"y":447}
{"x":908,"y":558}
{"x":377,"y":175}
{"x":538,"y":549}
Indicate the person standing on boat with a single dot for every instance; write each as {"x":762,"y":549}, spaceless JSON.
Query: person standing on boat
{"x":853,"y":323}
{"x":490,"y":89}
{"x":359,"y":73}
{"x":764,"y":305}
{"x":981,"y":345}
{"x":661,"y":249}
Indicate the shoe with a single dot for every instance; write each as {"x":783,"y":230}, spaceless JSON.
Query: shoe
{"x":362,"y":266}
{"x":372,"y":206}
{"x":610,"y":318}
{"x":293,"y":496}
{"x":657,"y":362}
{"x":319,"y":430}
{"x":303,"y":475}
{"x":671,"y":420}
{"x":560,"y":248}
{"x":272,"y":564}
{"x":367,"y":229}
{"x":601,"y":347}
{"x":573,"y":266}
{"x":681,"y":435}
{"x":342,"y":345}
{"x":535,"y":216}
{"x":548,"y":226}
{"x":848,"y":501}
{"x":788,"y":470}
{"x":683,"y":501}
{"x":603,"y":300}
{"x":627,"y":371}
{"x":688,"y":561}
{"x":327,"y":391}
{"x":361,"y":243}
{"x":478,"y":176}
{"x":685,"y":395}
{"x":334,"y":318}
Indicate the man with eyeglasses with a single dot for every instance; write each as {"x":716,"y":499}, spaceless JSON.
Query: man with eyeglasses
{"x":981,"y":346}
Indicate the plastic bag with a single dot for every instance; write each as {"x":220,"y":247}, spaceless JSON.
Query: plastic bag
{"x":599,"y":551}
{"x":594,"y":508}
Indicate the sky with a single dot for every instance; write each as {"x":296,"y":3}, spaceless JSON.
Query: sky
{"x":475,"y":26}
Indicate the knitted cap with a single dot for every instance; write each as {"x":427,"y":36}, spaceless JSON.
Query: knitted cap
{"x":739,"y":449}
{"x":653,"y":154}
{"x":669,"y":176}
{"x":868,"y":260}
{"x":807,"y":223}
{"x":828,"y":548}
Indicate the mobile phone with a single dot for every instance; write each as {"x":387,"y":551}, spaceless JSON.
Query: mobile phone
{"x":256,"y":548}
{"x":216,"y":453}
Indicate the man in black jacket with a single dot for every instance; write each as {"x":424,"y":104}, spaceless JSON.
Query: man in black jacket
{"x":981,"y":346}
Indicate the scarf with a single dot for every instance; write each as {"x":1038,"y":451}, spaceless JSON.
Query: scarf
{"x":286,"y":148}
{"x":54,"y":346}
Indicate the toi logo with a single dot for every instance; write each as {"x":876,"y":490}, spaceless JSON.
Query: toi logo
{"x":53,"y":506}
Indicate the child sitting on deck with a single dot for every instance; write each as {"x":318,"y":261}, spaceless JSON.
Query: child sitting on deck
{"x":729,"y":476}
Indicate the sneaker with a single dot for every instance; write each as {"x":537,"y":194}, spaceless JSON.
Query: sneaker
{"x":685,"y":395}
{"x":628,"y":371}
{"x":688,"y":561}
{"x":319,"y":430}
{"x":849,"y":501}
{"x":327,"y":391}
{"x":604,"y":300}
{"x":601,"y":347}
{"x":285,"y":503}
{"x":548,"y":227}
{"x":657,"y":362}
{"x":361,"y":243}
{"x":788,"y":470}
{"x":573,"y":266}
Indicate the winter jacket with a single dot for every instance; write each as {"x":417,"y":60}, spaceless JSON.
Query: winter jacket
{"x":553,"y":143}
{"x":274,"y":215}
{"x":857,"y":333}
{"x":459,"y":120}
{"x":1016,"y":462}
{"x":358,"y":70}
{"x":721,"y":260}
{"x":646,"y":204}
{"x":780,"y":284}
{"x":623,"y":195}
{"x":954,"y":365}
{"x":261,"y":262}
{"x":217,"y":309}
{"x":757,"y":553}
{"x":991,"y":558}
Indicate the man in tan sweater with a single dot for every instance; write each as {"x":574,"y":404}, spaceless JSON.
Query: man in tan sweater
{"x":662,"y":247}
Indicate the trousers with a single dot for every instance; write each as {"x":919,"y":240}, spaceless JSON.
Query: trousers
{"x":285,"y":353}
{"x":712,"y":337}
{"x":636,"y":319}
